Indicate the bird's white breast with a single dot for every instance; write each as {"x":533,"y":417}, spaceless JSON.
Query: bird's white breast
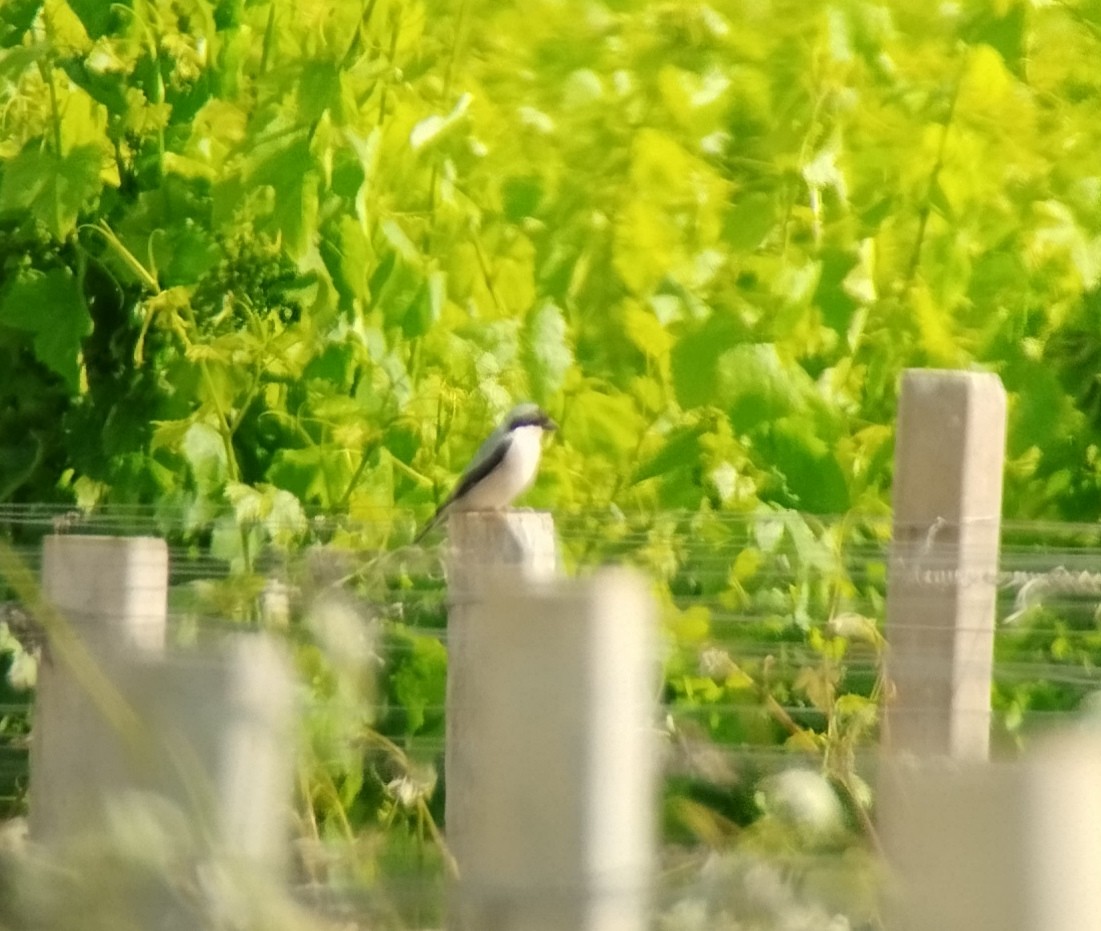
{"x":513,"y":475}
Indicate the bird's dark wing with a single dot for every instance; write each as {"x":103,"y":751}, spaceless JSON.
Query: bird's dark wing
{"x":478,"y":469}
{"x":484,"y":462}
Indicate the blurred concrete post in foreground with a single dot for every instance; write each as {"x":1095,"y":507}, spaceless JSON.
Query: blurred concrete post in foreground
{"x":112,"y":592}
{"x":224,"y":720}
{"x":550,"y":766}
{"x":949,"y":459}
{"x":1013,"y":846}
{"x":208,"y":731}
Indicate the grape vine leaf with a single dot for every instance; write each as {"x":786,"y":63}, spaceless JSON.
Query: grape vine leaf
{"x":49,"y":305}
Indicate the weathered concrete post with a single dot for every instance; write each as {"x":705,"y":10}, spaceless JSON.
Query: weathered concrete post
{"x":209,"y":731}
{"x":551,"y":738}
{"x":1009,"y":845}
{"x":111,"y":592}
{"x":949,"y":459}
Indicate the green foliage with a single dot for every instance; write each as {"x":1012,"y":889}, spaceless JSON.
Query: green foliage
{"x":313,"y":231}
{"x":264,"y":258}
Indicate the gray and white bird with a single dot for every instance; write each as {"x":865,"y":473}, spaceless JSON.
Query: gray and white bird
{"x":503,"y":468}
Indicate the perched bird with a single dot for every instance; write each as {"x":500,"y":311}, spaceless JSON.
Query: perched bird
{"x":503,"y":467}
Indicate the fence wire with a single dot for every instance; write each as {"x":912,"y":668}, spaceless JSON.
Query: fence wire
{"x":776,"y":645}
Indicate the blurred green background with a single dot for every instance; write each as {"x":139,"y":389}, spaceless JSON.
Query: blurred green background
{"x":262,"y":260}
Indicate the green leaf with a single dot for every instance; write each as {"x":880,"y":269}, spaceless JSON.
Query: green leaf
{"x":314,"y":475}
{"x":521,"y":196}
{"x":14,"y":61}
{"x":96,"y":15}
{"x":356,"y":258}
{"x":809,"y":466}
{"x":603,"y":423}
{"x":205,"y":452}
{"x":277,"y":510}
{"x":49,"y":305}
{"x":287,"y":165}
{"x":417,"y":682}
{"x":299,"y":471}
{"x":807,"y":544}
{"x":184,"y":254}
{"x":646,"y":332}
{"x":319,"y":89}
{"x":1042,"y":410}
{"x":692,"y":625}
{"x":696,"y":101}
{"x":84,"y":123}
{"x":749,"y":220}
{"x":16,"y":17}
{"x":696,"y":357}
{"x":681,"y":449}
{"x":833,"y":293}
{"x":335,"y":366}
{"x":427,"y":306}
{"x":644,"y":246}
{"x":399,"y":285}
{"x":233,"y":543}
{"x":756,"y":387}
{"x":1004,"y":27}
{"x":547,"y":351}
{"x":54,"y":189}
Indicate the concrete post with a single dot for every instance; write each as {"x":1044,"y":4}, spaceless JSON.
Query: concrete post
{"x":551,"y":738}
{"x":225,"y":724}
{"x":1012,"y":846}
{"x":485,"y":550}
{"x":209,"y":731}
{"x":949,"y":459}
{"x":111,"y":595}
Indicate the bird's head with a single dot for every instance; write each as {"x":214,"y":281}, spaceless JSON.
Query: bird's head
{"x":528,"y":415}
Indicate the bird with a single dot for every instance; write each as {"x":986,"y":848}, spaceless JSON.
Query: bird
{"x":503,"y":468}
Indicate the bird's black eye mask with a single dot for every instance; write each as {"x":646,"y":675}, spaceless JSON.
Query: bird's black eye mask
{"x":534,"y":420}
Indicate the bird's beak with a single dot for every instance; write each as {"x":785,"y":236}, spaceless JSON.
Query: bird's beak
{"x":549,"y":424}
